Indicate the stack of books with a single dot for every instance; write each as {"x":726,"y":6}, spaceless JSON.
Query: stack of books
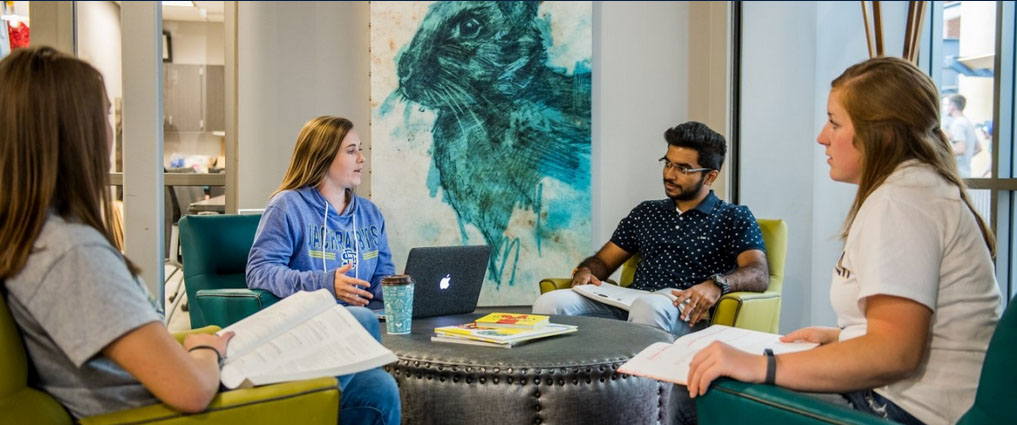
{"x":501,"y":330}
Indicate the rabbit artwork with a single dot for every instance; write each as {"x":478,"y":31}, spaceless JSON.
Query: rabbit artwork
{"x":505,"y":120}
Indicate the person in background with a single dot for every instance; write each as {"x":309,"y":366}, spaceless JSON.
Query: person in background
{"x":316,"y":233}
{"x":914,"y":290}
{"x":961,"y":133}
{"x":690,"y":240}
{"x":91,"y":329}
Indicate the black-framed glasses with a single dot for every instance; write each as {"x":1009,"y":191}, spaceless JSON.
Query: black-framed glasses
{"x":668,"y":165}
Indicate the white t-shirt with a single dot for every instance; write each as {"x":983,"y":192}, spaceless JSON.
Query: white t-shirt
{"x":915,"y":238}
{"x":960,"y":129}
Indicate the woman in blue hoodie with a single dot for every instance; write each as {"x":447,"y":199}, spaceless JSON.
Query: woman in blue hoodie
{"x":317,"y":233}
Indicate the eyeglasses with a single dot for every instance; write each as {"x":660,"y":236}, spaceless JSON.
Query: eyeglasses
{"x":668,"y":165}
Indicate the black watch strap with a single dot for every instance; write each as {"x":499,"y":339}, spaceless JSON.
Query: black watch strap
{"x":771,"y":367}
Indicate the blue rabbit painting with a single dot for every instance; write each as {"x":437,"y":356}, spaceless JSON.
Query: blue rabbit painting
{"x":505,"y":120}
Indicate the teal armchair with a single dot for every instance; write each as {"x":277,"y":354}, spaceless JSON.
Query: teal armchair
{"x":729,"y":402}
{"x":215,"y":249}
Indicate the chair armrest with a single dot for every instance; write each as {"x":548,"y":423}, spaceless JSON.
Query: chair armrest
{"x":554,"y":283}
{"x":734,"y":402}
{"x":748,"y":310}
{"x":312,"y":401}
{"x":223,"y":307}
{"x":211,"y":329}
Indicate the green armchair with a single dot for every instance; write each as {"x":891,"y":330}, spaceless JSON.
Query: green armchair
{"x":215,"y":249}
{"x":313,"y":401}
{"x":730,"y":401}
{"x":748,"y":310}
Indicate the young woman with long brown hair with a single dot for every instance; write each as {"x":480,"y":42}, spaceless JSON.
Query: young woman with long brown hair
{"x":914,"y":290}
{"x":317,"y":233}
{"x":90,"y":327}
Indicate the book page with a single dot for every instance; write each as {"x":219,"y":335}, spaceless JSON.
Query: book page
{"x":329,"y":344}
{"x":266,"y":324}
{"x":670,"y":362}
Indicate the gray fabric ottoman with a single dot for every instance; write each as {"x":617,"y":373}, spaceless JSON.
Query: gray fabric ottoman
{"x":566,"y":379}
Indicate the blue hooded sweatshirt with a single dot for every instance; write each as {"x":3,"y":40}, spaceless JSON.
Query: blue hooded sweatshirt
{"x":299,"y":245}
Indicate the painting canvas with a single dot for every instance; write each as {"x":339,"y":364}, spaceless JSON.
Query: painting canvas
{"x":480,"y":134}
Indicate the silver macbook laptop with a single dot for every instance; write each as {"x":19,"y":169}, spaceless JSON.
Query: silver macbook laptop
{"x":448,"y":278}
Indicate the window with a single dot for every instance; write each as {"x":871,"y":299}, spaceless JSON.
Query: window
{"x":971,"y":58}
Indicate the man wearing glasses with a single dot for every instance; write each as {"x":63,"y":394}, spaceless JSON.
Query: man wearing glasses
{"x":694,"y":247}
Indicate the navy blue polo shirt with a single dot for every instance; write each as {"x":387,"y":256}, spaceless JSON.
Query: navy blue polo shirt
{"x":682,"y":250}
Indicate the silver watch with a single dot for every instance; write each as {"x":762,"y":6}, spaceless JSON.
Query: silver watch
{"x":721,"y":281}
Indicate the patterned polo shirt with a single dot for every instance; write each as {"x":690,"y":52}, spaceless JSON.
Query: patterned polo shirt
{"x":680,"y":250}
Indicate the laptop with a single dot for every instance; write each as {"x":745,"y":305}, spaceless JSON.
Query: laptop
{"x":447,"y":279}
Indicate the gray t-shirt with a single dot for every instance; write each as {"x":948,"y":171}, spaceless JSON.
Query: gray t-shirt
{"x":73,"y":298}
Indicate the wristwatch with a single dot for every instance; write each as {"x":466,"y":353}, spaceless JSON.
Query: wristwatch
{"x":721,"y":282}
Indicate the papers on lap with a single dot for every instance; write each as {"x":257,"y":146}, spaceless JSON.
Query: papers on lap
{"x":670,"y":362}
{"x":619,"y":296}
{"x":306,"y":335}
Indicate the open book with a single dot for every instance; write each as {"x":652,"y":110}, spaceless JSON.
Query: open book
{"x":670,"y":362}
{"x":306,"y":335}
{"x":620,"y":296}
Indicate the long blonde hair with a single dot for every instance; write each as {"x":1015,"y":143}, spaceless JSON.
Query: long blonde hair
{"x":317,"y":145}
{"x":53,"y":150}
{"x":894,"y":108}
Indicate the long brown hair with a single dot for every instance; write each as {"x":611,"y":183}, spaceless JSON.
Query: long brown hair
{"x":317,"y":145}
{"x":53,"y":150}
{"x":894,"y":108}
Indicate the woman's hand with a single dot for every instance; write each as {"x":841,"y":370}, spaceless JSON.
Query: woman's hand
{"x":719,"y":359}
{"x":347,"y":289}
{"x":219,"y":342}
{"x":819,"y":334}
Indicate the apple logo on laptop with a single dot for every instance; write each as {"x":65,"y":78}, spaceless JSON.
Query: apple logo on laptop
{"x":445,"y":281}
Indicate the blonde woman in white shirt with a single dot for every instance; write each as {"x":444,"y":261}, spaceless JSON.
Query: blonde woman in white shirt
{"x":914,"y":289}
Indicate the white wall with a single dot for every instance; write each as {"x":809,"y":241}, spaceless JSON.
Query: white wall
{"x":296,"y":61}
{"x":301,"y":60}
{"x":640,"y":89}
{"x":777,"y":151}
{"x":196,"y":43}
{"x":99,"y":41}
{"x":790,"y":54}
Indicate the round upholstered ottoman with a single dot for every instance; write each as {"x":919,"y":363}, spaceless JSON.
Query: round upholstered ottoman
{"x":566,"y":379}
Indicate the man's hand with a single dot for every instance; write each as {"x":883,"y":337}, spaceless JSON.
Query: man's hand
{"x":583,"y":276}
{"x":347,"y":289}
{"x":701,"y":298}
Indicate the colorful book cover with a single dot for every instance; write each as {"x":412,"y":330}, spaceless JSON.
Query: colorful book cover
{"x":502,"y":335}
{"x":509,"y":320}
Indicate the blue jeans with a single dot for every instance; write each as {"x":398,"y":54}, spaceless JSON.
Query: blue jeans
{"x":370,"y":397}
{"x":870,"y":401}
{"x":653,"y":310}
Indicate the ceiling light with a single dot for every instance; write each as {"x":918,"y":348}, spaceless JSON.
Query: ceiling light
{"x":187,"y":3}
